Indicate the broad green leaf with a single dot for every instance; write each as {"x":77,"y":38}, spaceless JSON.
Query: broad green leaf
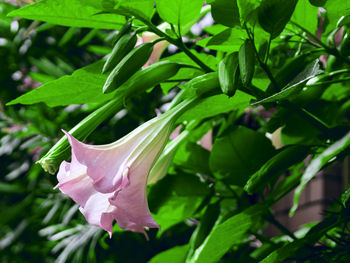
{"x":305,"y":15}
{"x":228,"y":40}
{"x":317,"y":163}
{"x":225,"y":12}
{"x":297,"y":130}
{"x":291,"y":69}
{"x":215,"y":29}
{"x":142,"y":9}
{"x":273,"y":15}
{"x":175,"y":198}
{"x":223,"y":236}
{"x":83,"y":86}
{"x":215,"y":105}
{"x":178,"y":12}
{"x":247,"y":10}
{"x":193,"y":158}
{"x":173,"y":255}
{"x":297,"y":85}
{"x":238,"y":154}
{"x":73,"y":13}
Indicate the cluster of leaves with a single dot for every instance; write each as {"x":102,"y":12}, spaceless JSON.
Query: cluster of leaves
{"x":283,"y":68}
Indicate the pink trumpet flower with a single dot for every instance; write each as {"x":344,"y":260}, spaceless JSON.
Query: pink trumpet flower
{"x":109,"y":181}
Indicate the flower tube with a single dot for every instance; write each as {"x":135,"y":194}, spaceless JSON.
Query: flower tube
{"x":109,"y":181}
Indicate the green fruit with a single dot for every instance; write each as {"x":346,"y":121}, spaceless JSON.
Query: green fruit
{"x":246,"y":58}
{"x":150,"y":76}
{"x":127,"y":67}
{"x":125,"y":44}
{"x":229,"y":74}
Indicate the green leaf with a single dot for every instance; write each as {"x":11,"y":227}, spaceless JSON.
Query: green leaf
{"x":291,"y":250}
{"x":73,"y":13}
{"x":193,"y":158}
{"x":225,"y":12}
{"x":276,"y":166}
{"x":206,"y":223}
{"x":228,"y":40}
{"x":223,"y":236}
{"x":173,"y":255}
{"x":305,"y":15}
{"x":316,"y":165}
{"x":141,"y":9}
{"x":335,"y":10}
{"x":215,"y":105}
{"x":247,"y":10}
{"x":345,"y":196}
{"x":175,"y":198}
{"x":273,"y":15}
{"x":83,"y":86}
{"x":178,"y":12}
{"x":238,"y":154}
{"x":246,"y":62}
{"x":296,"y":85}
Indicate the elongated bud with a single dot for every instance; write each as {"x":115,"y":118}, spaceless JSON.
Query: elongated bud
{"x":125,"y":44}
{"x":125,"y":29}
{"x":246,"y":59}
{"x":128,"y":66}
{"x":61,"y":150}
{"x":229,"y":74}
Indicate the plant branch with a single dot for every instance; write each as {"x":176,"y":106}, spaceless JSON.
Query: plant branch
{"x":281,"y":227}
{"x":177,"y":43}
{"x":330,"y":50}
{"x":261,"y":63}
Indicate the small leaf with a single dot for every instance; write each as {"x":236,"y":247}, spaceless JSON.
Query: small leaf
{"x":316,"y":165}
{"x":246,"y":62}
{"x":345,"y":197}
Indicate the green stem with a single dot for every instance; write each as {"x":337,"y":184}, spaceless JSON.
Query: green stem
{"x":261,"y":63}
{"x":330,"y":50}
{"x":281,"y":227}
{"x":177,"y":43}
{"x":314,"y":120}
